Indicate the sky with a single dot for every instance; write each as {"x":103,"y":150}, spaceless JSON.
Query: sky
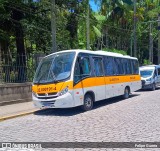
{"x":93,"y":5}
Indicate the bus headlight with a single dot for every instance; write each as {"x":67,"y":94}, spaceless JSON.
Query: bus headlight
{"x":64,"y":91}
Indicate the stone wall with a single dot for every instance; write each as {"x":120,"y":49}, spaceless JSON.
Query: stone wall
{"x":12,"y":93}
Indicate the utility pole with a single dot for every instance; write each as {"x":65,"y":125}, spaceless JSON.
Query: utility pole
{"x":87,"y":27}
{"x":158,"y":38}
{"x":134,"y":30}
{"x":150,"y":43}
{"x":53,"y":26}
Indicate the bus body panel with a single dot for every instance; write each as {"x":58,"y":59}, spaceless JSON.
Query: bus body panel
{"x":65,"y":101}
{"x":103,"y":86}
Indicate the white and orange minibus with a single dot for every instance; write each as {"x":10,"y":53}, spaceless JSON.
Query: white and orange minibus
{"x":73,"y":78}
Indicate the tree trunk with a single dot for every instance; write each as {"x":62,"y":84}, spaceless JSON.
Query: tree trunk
{"x":150,"y":45}
{"x":53,"y":26}
{"x":20,"y":68}
{"x":159,"y":38}
{"x":107,"y":37}
{"x":21,"y":57}
{"x":88,"y":27}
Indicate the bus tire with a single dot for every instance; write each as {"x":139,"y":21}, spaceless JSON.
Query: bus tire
{"x":87,"y":103}
{"x":153,"y":87}
{"x":126,"y":93}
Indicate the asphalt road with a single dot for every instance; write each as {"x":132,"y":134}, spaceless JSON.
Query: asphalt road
{"x":136,"y":119}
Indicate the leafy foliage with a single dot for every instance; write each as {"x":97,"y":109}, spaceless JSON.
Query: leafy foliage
{"x":25,"y":26}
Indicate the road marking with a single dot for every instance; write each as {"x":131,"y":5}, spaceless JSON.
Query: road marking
{"x":17,"y":115}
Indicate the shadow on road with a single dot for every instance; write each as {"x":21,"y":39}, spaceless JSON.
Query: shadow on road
{"x":147,"y":90}
{"x":77,"y":110}
{"x":111,"y":101}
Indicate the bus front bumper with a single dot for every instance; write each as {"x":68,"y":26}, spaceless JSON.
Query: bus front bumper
{"x":64,"y":101}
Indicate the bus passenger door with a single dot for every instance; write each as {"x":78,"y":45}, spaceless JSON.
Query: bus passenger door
{"x":99,"y":78}
{"x":77,"y":85}
{"x":82,"y":78}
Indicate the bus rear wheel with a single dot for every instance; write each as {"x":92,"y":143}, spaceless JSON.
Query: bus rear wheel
{"x":88,"y":103}
{"x":126,"y":93}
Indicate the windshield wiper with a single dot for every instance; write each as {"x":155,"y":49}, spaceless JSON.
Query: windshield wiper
{"x":53,"y":75}
{"x":41,"y":77}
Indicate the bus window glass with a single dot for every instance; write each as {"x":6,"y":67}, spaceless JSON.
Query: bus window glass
{"x":77,"y":75}
{"x":85,"y":67}
{"x":108,"y":66}
{"x":123,"y":66}
{"x":54,"y":68}
{"x":135,"y":66}
{"x":118,"y":66}
{"x":98,"y":66}
{"x":116,"y":72}
{"x":128,"y":69}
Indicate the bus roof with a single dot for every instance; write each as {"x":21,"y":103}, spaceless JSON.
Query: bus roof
{"x":98,"y":52}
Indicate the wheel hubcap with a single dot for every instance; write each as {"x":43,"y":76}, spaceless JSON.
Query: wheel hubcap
{"x":126,"y":92}
{"x":88,"y":102}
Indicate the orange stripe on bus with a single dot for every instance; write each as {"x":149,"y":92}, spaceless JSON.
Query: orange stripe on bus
{"x":88,"y":82}
{"x":49,"y":88}
{"x":98,"y":81}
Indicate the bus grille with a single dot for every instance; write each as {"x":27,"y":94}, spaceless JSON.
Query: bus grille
{"x":44,"y":94}
{"x":47,"y":95}
{"x":47,"y":103}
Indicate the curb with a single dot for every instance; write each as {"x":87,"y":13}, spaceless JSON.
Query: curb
{"x":11,"y":102}
{"x":17,"y":115}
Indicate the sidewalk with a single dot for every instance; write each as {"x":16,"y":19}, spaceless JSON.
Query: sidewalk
{"x":15,"y":110}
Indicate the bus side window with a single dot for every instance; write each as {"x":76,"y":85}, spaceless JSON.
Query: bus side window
{"x":108,"y":66}
{"x":85,"y":67}
{"x":116,"y":72}
{"x":119,"y":67}
{"x":77,"y":76}
{"x":128,"y":69}
{"x":123,"y":65}
{"x":135,"y":69}
{"x":98,"y":66}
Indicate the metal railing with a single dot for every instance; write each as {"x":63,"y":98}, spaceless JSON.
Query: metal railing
{"x":18,"y":69}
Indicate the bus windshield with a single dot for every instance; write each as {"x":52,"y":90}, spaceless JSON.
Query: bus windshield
{"x":54,"y":68}
{"x":146,"y":73}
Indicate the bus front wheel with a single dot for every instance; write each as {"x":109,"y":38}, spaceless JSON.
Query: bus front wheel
{"x":126,"y":93}
{"x":88,"y":103}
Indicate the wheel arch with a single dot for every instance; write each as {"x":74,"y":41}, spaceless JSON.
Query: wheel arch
{"x":91,"y":93}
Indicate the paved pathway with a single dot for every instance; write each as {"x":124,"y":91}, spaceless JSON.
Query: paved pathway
{"x":136,"y":119}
